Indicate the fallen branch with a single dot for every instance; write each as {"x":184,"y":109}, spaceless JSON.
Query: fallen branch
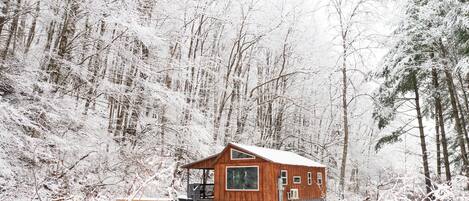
{"x":75,"y":164}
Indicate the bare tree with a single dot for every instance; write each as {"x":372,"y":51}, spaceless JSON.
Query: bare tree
{"x":348,"y":14}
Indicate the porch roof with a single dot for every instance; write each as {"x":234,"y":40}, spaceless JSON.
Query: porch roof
{"x":205,"y":163}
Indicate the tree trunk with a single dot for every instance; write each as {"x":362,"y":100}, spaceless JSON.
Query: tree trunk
{"x":63,"y":42}
{"x":111,"y":116}
{"x":345,"y":122}
{"x":453,"y":96}
{"x":13,"y":28}
{"x":439,"y":113}
{"x":426,"y":171}
{"x":438,"y":145}
{"x":218,"y":114}
{"x":464,"y":111}
{"x":18,"y":37}
{"x":6,"y":7}
{"x":162,"y":131}
{"x":466,"y":99}
{"x":32,"y":29}
{"x":463,"y":121}
{"x":460,"y":135}
{"x":278,"y":123}
{"x":227,"y":137}
{"x":50,"y":36}
{"x":243,"y":115}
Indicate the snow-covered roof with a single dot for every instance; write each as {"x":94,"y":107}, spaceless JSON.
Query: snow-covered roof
{"x":278,"y":156}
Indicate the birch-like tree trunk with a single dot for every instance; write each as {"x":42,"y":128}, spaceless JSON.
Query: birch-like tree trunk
{"x":344,"y":122}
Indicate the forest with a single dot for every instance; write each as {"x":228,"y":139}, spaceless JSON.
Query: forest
{"x":101,"y":99}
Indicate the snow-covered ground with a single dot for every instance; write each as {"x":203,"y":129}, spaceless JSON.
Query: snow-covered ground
{"x":50,"y":150}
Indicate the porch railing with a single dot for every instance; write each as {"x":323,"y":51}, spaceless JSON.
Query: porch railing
{"x":199,"y":191}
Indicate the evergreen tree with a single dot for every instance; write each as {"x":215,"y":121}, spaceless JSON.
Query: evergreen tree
{"x":404,"y":73}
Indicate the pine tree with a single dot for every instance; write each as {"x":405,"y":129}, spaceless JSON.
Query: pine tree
{"x":404,"y":72}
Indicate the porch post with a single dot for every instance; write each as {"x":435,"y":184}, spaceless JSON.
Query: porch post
{"x":204,"y":183}
{"x":188,"y":180}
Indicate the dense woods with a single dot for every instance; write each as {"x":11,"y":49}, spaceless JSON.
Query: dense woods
{"x":427,"y":71}
{"x":102,"y":99}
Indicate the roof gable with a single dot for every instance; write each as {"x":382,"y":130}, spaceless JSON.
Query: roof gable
{"x":236,"y":154}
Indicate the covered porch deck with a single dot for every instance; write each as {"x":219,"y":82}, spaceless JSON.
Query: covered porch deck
{"x":203,"y":190}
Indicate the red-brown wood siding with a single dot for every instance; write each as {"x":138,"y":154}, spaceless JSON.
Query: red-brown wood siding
{"x":305,"y":191}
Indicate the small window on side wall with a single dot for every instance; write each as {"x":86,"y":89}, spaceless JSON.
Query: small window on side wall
{"x":310,"y":178}
{"x":297,"y":179}
{"x":319,"y":179}
{"x":284,"y":177}
{"x":239,"y":155}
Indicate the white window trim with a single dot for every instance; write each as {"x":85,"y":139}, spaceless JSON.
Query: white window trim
{"x":237,"y":159}
{"x":293,"y":194}
{"x":310,"y":178}
{"x":226,"y":178}
{"x":296,"y":177}
{"x":319,"y":175}
{"x":286,"y":177}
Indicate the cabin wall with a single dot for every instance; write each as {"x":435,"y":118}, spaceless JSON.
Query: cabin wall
{"x":305,"y":191}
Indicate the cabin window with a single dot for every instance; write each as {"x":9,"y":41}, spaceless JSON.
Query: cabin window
{"x":297,"y":179}
{"x":293,"y":194}
{"x":245,"y":178}
{"x":284,"y":177}
{"x":319,"y":181}
{"x":310,"y":178}
{"x":239,"y":155}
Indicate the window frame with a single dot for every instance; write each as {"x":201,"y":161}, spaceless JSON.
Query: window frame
{"x":226,"y":178}
{"x":286,"y":177}
{"x":237,"y":159}
{"x":296,"y":177}
{"x":293,"y":194}
{"x":319,"y":178}
{"x":310,"y":178}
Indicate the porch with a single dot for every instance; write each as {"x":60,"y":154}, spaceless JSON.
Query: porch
{"x":204,"y":189}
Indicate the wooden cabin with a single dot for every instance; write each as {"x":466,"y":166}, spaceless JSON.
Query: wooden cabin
{"x":249,"y":173}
